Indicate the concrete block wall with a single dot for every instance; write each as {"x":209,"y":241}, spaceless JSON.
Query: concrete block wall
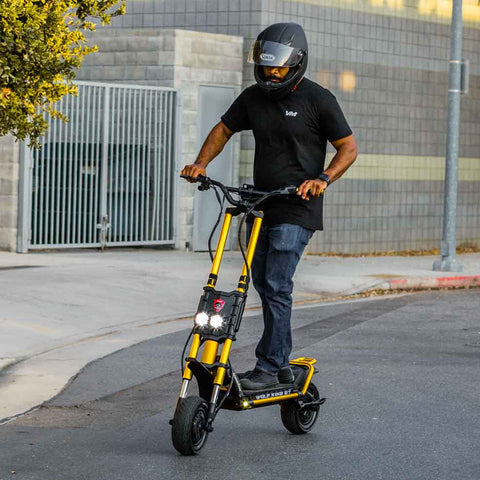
{"x":202,"y":59}
{"x":398,"y":207}
{"x":388,"y":67}
{"x":9,"y":174}
{"x":134,"y":56}
{"x":180,"y":59}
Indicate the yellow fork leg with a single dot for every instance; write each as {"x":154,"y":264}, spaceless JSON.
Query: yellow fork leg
{"x":187,"y":374}
{"x":252,"y":245}
{"x":220,"y":376}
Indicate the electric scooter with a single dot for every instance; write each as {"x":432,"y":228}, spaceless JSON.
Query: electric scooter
{"x":216,"y":324}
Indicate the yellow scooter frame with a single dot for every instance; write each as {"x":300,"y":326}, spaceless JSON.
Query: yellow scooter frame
{"x":218,"y":385}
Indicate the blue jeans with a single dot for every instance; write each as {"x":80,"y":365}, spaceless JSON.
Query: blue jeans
{"x":278,"y":252}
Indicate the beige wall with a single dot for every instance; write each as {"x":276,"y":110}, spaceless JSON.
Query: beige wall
{"x":202,"y":59}
{"x":9,"y":171}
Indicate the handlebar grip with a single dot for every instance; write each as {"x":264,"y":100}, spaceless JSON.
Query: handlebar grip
{"x":199,"y":178}
{"x":291,"y":189}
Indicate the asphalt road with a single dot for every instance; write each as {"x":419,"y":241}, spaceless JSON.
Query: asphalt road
{"x":400,"y":375}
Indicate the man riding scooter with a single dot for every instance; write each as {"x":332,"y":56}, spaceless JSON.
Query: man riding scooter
{"x":292,"y":118}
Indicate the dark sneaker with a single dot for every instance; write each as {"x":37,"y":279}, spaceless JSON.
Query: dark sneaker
{"x":258,"y":380}
{"x":244,"y":374}
{"x":285,"y":375}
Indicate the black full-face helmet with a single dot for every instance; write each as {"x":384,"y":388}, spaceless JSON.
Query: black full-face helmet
{"x":280,"y":45}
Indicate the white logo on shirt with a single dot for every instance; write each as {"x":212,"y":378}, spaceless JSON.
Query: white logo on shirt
{"x":289,"y":113}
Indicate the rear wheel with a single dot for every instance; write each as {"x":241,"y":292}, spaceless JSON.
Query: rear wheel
{"x":298,"y":419}
{"x":189,"y":432}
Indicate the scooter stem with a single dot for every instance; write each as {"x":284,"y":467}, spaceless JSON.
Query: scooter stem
{"x":222,"y":240}
{"x":252,"y":245}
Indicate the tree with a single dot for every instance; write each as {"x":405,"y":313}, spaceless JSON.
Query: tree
{"x":42,"y":43}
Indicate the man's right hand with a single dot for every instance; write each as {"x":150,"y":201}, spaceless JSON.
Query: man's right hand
{"x":193,"y":171}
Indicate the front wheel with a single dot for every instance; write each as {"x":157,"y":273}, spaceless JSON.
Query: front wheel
{"x":298,"y":419}
{"x":189,"y":432}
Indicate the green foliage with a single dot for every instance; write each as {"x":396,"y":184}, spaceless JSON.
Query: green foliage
{"x":42,"y":43}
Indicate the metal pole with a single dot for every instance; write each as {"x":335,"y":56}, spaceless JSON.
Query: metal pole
{"x":104,"y":224}
{"x":448,"y":262}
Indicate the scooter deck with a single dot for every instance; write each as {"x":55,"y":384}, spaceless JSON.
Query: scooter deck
{"x":300,"y":375}
{"x":241,"y":399}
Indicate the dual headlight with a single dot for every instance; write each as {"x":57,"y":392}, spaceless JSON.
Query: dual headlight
{"x":202,"y":319}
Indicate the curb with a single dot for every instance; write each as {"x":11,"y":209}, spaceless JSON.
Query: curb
{"x":419,"y":283}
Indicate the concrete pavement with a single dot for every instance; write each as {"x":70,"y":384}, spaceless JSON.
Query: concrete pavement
{"x":62,"y":310}
{"x":400,"y":374}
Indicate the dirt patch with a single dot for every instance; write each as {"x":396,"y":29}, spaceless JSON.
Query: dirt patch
{"x":402,"y":253}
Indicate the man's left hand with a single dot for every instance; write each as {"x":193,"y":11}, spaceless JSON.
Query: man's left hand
{"x":313,"y":188}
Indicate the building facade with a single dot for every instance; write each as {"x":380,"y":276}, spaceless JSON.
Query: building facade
{"x":387,"y":63}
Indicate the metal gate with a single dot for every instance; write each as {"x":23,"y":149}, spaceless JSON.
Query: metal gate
{"x":107,"y":177}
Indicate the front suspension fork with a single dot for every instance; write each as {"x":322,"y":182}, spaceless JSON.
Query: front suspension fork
{"x":210,"y":350}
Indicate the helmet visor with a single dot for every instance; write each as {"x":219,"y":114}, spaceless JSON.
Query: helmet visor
{"x":273,"y":54}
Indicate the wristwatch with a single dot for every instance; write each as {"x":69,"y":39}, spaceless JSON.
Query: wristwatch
{"x":325,"y":178}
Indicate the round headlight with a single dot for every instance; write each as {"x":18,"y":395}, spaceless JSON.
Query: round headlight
{"x":201,"y":319}
{"x":216,"y":321}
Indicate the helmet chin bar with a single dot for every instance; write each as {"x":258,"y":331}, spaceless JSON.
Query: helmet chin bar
{"x":273,"y":85}
{"x":276,"y":91}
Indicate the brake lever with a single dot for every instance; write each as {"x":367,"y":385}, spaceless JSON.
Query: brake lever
{"x":204,"y":186}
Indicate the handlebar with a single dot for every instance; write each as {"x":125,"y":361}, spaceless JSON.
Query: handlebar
{"x":247,"y":193}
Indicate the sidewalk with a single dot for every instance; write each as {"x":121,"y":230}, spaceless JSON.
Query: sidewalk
{"x":61,"y":310}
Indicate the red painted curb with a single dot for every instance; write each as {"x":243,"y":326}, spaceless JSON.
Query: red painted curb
{"x":435,"y":282}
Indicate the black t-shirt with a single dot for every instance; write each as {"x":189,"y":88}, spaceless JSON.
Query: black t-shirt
{"x":290,"y":144}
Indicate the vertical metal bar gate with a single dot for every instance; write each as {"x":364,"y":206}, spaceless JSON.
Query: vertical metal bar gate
{"x":105,"y":178}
